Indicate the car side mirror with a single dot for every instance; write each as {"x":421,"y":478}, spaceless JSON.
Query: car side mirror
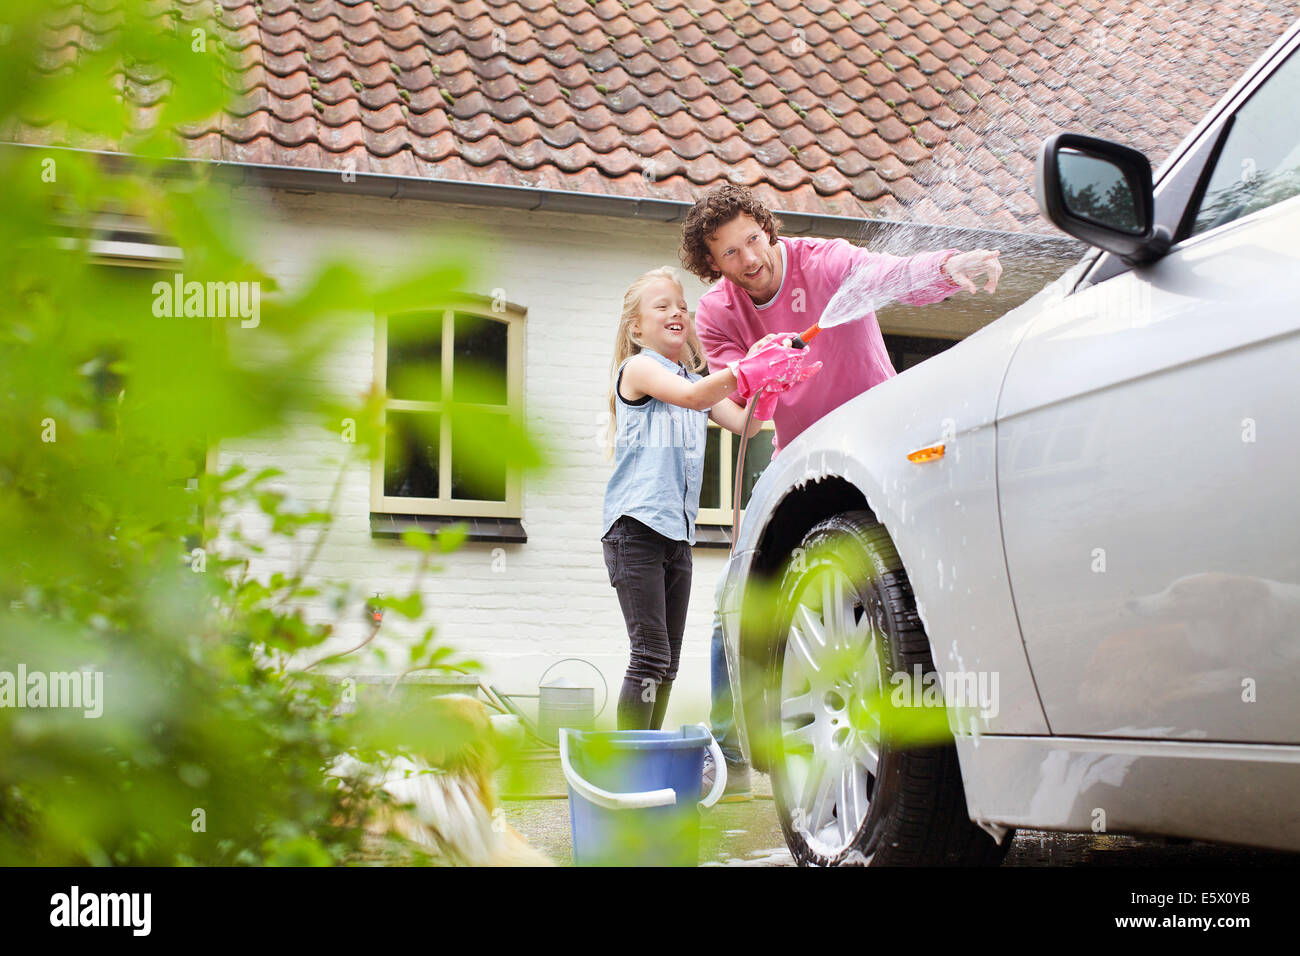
{"x":1100,"y":192}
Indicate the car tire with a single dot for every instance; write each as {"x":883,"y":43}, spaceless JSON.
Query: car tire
{"x":914,"y":811}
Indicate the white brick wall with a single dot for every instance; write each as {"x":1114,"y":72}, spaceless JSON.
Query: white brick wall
{"x":553,"y":598}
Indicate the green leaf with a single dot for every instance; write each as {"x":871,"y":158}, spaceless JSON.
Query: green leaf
{"x":452,"y":537}
{"x":411,"y":606}
{"x":420,"y":540}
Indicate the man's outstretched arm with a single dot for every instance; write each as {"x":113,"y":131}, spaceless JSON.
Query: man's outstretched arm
{"x":912,"y":280}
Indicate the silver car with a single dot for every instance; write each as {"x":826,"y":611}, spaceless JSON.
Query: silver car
{"x":1078,"y":529}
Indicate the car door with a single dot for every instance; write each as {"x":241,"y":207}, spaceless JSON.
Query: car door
{"x":1149,"y":460}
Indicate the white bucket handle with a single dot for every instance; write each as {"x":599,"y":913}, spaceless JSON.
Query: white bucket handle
{"x":719,"y":771}
{"x":604,"y":798}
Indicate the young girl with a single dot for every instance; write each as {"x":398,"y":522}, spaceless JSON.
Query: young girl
{"x":660,"y":405}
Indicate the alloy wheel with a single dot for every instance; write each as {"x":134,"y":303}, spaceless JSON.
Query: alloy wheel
{"x":831,"y":742}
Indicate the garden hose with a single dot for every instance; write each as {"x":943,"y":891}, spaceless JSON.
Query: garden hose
{"x":740,"y":469}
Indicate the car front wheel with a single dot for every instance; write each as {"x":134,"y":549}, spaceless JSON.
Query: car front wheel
{"x":846,"y":620}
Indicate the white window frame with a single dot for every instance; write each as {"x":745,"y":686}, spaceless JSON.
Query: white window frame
{"x":722,"y":515}
{"x":444,"y":505}
{"x":144,"y":251}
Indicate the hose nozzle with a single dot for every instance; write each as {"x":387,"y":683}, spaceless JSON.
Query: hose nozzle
{"x":804,"y":338}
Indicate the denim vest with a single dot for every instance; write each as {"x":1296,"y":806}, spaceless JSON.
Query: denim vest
{"x":658,"y":460}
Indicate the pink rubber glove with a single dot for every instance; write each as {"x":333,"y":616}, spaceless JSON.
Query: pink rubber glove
{"x":769,"y":397}
{"x":774,"y":363}
{"x":766,"y":405}
{"x":781,"y":338}
{"x":805,"y":373}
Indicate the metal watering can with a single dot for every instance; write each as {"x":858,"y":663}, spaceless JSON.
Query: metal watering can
{"x":563,"y":704}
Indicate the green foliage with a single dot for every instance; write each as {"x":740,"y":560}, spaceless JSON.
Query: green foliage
{"x":121,"y":554}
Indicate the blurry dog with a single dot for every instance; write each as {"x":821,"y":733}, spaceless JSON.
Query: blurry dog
{"x":443,"y":801}
{"x":1202,"y":630}
{"x":1230,"y":614}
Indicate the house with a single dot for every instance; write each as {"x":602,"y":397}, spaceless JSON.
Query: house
{"x":565,"y":140}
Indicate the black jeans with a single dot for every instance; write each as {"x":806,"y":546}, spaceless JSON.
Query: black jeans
{"x":652,"y":575}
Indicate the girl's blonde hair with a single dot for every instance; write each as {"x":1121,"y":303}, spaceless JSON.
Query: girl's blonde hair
{"x":626,"y":343}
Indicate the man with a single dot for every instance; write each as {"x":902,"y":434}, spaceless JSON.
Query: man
{"x":765,"y":287}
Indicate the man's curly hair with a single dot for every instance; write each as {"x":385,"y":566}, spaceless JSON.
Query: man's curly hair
{"x":721,"y":205}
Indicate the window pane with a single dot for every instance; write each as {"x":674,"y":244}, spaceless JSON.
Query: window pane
{"x":480,"y":359}
{"x":411,"y":455}
{"x":478,"y":467}
{"x":415,"y":356}
{"x":758,"y":455}
{"x":1260,"y":162}
{"x":711,"y":488}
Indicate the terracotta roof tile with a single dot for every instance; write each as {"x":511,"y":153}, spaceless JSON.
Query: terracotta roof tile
{"x":923,"y":110}
{"x":840,"y":105}
{"x":910,"y":151}
{"x":891,"y":129}
{"x":910,"y":113}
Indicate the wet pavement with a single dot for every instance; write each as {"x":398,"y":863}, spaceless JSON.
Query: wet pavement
{"x":748,"y":834}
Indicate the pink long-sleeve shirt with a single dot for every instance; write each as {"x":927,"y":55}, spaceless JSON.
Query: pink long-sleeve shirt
{"x":853,"y":355}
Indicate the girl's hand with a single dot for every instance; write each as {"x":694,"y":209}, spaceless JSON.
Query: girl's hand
{"x":768,"y":398}
{"x":775,"y":364}
{"x":805,"y":373}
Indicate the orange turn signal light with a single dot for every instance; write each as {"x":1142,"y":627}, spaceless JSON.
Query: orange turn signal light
{"x":932,"y":453}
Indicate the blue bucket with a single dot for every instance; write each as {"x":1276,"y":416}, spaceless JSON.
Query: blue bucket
{"x":634,"y":794}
